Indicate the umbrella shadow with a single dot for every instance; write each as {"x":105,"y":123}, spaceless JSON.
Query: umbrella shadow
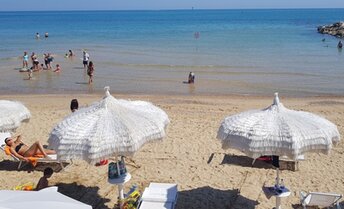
{"x":245,"y":161}
{"x":208,"y":198}
{"x":9,"y":165}
{"x":87,"y":195}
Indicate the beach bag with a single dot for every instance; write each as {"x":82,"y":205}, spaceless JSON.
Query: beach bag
{"x":29,"y":186}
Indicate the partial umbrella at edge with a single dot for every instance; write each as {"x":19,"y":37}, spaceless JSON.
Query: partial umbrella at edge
{"x":12,"y":113}
{"x":279,"y":131}
{"x":110,"y":127}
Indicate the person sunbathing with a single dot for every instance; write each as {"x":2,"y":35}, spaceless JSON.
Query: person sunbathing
{"x":22,"y":151}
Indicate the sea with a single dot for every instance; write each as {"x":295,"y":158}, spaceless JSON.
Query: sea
{"x":240,"y":52}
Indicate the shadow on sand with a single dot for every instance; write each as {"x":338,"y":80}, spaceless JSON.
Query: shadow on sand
{"x":9,"y":165}
{"x":208,"y":198}
{"x":245,"y":161}
{"x":87,"y":195}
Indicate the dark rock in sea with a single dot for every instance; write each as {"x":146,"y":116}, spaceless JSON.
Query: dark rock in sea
{"x":335,"y":29}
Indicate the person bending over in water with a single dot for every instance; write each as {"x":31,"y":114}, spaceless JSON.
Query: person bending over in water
{"x":70,"y":53}
{"x":22,"y":151}
{"x":340,"y":45}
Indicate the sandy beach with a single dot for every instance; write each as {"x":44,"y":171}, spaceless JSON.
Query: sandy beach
{"x":207,"y":176}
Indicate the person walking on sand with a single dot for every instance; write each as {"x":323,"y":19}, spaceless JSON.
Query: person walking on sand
{"x":85,"y":58}
{"x":25,"y":60}
{"x":90,"y":71}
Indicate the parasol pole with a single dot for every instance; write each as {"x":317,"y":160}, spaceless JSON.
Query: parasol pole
{"x":120,"y":186}
{"x":277,"y":177}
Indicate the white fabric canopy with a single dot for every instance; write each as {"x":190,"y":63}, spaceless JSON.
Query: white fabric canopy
{"x":277,"y":130}
{"x":12,"y":113}
{"x":43,"y":199}
{"x":110,"y":127}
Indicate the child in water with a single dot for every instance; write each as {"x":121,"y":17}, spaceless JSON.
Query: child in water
{"x":58,"y":69}
{"x":29,"y":73}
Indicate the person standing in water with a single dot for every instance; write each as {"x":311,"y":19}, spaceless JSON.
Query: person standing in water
{"x":25,"y":60}
{"x":90,"y":71}
{"x":85,"y":59}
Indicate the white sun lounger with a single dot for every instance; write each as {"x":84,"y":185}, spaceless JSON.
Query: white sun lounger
{"x":320,"y":199}
{"x":159,"y":196}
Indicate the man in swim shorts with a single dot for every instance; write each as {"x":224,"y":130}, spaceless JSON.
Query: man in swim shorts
{"x":85,"y":59}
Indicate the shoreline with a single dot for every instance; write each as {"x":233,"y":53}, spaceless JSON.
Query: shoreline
{"x":160,"y":95}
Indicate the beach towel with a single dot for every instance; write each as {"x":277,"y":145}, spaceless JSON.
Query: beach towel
{"x":32,"y":160}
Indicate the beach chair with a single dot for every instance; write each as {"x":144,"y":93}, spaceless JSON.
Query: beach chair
{"x":51,"y":159}
{"x":320,"y":199}
{"x":159,"y":196}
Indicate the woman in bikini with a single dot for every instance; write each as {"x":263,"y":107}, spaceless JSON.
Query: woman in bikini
{"x":90,"y":70}
{"x":22,"y":151}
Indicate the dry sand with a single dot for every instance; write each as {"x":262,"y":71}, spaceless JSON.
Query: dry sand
{"x":191,"y":156}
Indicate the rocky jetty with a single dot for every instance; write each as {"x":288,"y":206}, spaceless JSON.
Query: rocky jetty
{"x":335,"y":29}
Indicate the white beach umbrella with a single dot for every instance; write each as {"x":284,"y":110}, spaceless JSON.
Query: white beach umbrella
{"x":279,"y":131}
{"x":46,"y":198}
{"x":110,"y":127}
{"x":12,"y":113}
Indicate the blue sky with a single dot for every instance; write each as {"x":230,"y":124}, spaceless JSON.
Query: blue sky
{"x":20,"y":5}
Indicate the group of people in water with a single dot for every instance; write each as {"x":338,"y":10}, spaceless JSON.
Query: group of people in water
{"x":46,"y":35}
{"x":36,"y":66}
{"x":48,"y":59}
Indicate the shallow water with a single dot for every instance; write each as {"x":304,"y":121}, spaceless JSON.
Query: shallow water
{"x":152,"y":52}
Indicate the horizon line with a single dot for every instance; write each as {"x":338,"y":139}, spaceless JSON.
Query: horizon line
{"x":185,"y":9}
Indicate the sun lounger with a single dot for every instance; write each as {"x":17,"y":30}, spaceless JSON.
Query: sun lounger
{"x":159,"y":196}
{"x":51,"y":159}
{"x":320,"y":199}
